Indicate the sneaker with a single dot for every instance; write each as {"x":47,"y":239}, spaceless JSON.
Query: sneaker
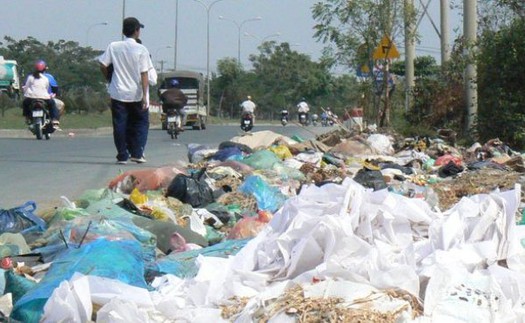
{"x":140,"y":160}
{"x":122,"y":162}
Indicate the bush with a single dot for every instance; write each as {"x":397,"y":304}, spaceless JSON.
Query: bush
{"x":85,"y":100}
{"x":7,"y":103}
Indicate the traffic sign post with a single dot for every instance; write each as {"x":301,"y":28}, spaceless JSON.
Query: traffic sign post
{"x":386,"y":49}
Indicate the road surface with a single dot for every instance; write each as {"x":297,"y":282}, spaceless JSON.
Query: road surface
{"x":45,"y":170}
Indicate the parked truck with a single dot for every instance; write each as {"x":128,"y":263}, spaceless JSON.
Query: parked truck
{"x":9,"y":78}
{"x":192,"y":85}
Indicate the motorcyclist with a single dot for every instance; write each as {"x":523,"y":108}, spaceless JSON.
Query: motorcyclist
{"x":54,"y":91}
{"x":284,"y":114}
{"x":174,"y":98}
{"x":248,"y":107}
{"x":331,"y":116}
{"x":37,"y":88}
{"x":324,"y":118}
{"x":315,"y":118}
{"x":302,"y":107}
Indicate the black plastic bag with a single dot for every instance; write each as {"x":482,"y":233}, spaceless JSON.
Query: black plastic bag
{"x":21,"y":219}
{"x":371,"y":179}
{"x":450,"y":169}
{"x":192,"y":189}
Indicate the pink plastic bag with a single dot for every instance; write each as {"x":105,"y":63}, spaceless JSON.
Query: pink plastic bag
{"x":249,"y":227}
{"x":144,"y":179}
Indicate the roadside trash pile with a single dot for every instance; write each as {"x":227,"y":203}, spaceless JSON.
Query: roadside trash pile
{"x":267,"y":228}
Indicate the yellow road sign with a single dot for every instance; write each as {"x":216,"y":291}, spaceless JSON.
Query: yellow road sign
{"x":386,"y":49}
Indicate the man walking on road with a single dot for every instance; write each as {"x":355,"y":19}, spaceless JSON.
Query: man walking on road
{"x":129,"y":90}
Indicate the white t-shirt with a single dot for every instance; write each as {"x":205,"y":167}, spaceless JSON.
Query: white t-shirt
{"x":303,"y":107}
{"x":37,"y":88}
{"x":129,"y":60}
{"x":248,"y":106}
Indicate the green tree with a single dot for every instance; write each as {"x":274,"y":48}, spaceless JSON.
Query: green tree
{"x":75,"y":68}
{"x":501,"y":110}
{"x":355,"y":28}
{"x":229,"y":85}
{"x":72,"y":65}
{"x":424,"y":66}
{"x":285,"y":76}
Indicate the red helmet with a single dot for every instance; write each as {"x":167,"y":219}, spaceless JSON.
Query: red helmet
{"x":40,"y":66}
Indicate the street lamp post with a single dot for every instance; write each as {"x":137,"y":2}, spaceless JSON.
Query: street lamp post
{"x":90,"y":27}
{"x":123,"y":13}
{"x":239,"y":27}
{"x":157,"y":57}
{"x":262,"y":40}
{"x":176,"y":35}
{"x":208,"y":8}
{"x":277,"y":34}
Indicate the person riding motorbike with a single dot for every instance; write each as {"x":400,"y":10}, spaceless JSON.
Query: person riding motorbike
{"x":174,"y":98}
{"x":302,"y":107}
{"x":37,"y":88}
{"x":324,"y":119}
{"x":248,"y":106}
{"x":284,"y":114}
{"x":332,"y":117}
{"x":54,"y":91}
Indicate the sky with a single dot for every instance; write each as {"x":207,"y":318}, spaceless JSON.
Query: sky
{"x":98,"y":22}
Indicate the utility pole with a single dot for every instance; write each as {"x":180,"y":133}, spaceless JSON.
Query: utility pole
{"x":470,"y":27}
{"x":176,"y":35}
{"x":410,"y":52}
{"x":123,"y":13}
{"x":445,"y":47}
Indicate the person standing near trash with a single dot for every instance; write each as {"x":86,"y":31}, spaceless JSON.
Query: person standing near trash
{"x":128,"y":89}
{"x":174,"y":98}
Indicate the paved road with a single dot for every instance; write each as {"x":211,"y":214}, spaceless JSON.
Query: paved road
{"x":43,"y":171}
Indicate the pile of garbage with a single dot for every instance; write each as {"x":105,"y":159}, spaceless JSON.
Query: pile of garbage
{"x":344,"y":227}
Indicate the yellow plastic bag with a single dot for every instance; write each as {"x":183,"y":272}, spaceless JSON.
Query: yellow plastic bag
{"x":137,"y":197}
{"x":281,"y":151}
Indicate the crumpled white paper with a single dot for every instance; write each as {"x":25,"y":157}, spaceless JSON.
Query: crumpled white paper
{"x":352,"y":235}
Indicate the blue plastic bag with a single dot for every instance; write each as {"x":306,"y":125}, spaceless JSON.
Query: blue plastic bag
{"x":268,"y":198}
{"x":182,"y":264}
{"x":21,"y":219}
{"x":120,"y":260}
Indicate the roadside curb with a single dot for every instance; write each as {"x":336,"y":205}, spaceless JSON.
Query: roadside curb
{"x":105,"y":131}
{"x":25,"y":133}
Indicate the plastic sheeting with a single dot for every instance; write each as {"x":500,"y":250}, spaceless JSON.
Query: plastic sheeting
{"x":384,"y":240}
{"x":183,"y":264}
{"x":111,"y":259}
{"x":268,"y":197}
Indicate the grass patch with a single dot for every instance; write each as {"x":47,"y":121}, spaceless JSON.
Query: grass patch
{"x":12,"y":119}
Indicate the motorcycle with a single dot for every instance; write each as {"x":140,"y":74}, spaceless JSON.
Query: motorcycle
{"x":303,"y":120}
{"x":284,"y":118}
{"x":173,"y":123}
{"x":247,"y":122}
{"x":315,"y":119}
{"x":40,"y":122}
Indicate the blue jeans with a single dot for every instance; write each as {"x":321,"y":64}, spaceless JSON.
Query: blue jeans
{"x":130,"y":128}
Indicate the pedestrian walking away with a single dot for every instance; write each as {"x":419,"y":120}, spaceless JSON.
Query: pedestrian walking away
{"x":128,"y":89}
